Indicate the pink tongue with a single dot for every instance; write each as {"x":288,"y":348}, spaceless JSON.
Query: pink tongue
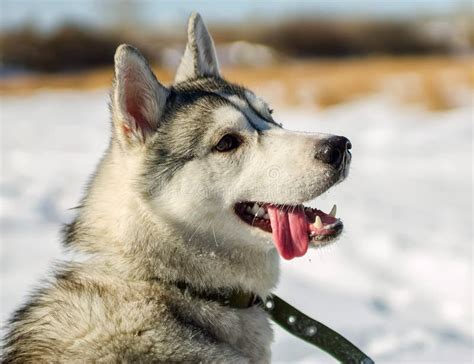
{"x":290,"y":232}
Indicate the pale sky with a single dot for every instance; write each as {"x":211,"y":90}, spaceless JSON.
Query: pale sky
{"x":47,"y":14}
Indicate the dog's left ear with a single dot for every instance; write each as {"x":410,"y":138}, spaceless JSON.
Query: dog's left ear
{"x":138,"y":99}
{"x":199,"y":59}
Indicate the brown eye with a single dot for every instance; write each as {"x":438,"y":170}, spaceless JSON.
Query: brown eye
{"x":227,"y":143}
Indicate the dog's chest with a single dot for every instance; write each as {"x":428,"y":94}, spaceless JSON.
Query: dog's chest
{"x":246,"y":330}
{"x":255,"y":334}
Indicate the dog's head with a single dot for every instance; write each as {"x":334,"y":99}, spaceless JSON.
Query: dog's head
{"x":214,"y":162}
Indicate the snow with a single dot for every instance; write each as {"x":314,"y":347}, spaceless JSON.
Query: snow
{"x":398,"y":283}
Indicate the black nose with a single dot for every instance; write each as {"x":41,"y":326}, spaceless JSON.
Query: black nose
{"x":332,"y":150}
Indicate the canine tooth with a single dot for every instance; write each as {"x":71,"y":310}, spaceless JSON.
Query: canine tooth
{"x":255,"y":209}
{"x":333,"y":211}
{"x":318,"y":223}
{"x":266,"y":216}
{"x":260,"y":212}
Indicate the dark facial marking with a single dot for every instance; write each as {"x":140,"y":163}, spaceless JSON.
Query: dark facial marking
{"x":270,"y":111}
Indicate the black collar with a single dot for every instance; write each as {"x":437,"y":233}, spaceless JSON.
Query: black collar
{"x":289,"y":318}
{"x":233,"y":298}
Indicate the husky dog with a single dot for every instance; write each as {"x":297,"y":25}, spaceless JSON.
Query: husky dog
{"x":196,"y":198}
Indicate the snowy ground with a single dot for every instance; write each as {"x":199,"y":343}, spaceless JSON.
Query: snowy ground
{"x":399,"y":282}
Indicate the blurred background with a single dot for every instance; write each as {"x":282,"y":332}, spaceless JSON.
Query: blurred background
{"x":396,"y":77}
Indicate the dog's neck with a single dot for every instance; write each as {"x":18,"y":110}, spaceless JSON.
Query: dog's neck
{"x":115,"y":224}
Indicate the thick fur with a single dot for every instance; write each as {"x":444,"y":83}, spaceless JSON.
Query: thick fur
{"x":159,"y":210}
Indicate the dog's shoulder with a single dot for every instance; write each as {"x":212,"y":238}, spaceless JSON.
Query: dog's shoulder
{"x":84,"y":313}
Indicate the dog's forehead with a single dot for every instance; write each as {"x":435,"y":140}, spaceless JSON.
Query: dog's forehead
{"x":242,"y":113}
{"x":209,"y":85}
{"x":228,"y":103}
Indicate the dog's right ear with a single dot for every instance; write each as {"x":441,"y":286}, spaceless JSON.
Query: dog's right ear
{"x":138,"y":99}
{"x":199,"y":59}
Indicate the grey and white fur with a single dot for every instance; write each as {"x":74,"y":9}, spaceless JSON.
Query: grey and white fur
{"x":159,"y":210}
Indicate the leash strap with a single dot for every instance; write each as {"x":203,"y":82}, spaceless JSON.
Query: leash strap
{"x":313,"y":332}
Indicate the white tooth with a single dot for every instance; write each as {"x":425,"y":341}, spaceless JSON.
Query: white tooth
{"x":318,"y":223}
{"x":254,"y":209}
{"x":266,"y":216}
{"x":260,"y":212}
{"x":333,"y":211}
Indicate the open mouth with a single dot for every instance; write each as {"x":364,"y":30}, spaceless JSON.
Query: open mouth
{"x":293,"y":227}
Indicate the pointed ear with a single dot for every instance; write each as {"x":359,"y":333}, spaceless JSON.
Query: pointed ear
{"x":138,"y":99}
{"x":199,"y":59}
